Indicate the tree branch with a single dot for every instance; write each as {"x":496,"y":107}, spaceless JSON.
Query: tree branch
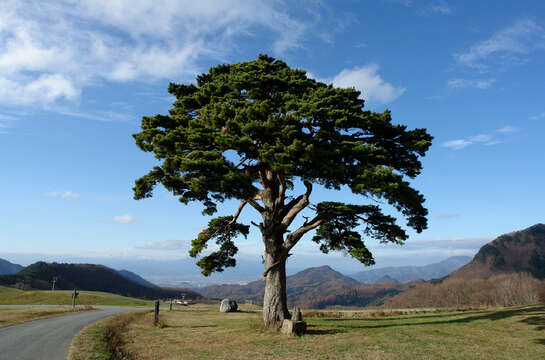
{"x":282,"y":195}
{"x":256,"y":206}
{"x":295,"y":206}
{"x":293,"y":237}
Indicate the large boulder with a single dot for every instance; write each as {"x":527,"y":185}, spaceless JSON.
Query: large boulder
{"x":228,"y":305}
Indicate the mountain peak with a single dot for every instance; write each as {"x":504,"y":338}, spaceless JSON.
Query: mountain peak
{"x":518,"y":251}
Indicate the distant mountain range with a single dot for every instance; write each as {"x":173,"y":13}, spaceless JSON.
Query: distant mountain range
{"x":520,"y":251}
{"x":9,"y":268}
{"x":316,"y":287}
{"x":89,"y":277}
{"x":410,"y":273}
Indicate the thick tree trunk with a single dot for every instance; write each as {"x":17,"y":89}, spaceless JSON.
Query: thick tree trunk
{"x":275,"y":307}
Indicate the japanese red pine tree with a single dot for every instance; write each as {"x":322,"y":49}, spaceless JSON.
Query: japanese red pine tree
{"x":251,"y":131}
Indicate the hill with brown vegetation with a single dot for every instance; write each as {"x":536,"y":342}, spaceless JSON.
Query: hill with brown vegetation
{"x":317,"y":287}
{"x":517,"y":252}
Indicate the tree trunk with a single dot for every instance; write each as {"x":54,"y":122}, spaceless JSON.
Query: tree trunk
{"x":275,"y":307}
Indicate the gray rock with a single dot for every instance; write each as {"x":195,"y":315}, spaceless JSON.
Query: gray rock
{"x":297,"y":316}
{"x":293,"y":327}
{"x":228,"y":305}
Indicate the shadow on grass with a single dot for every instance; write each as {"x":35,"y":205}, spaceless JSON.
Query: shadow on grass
{"x":330,"y":331}
{"x":489,"y":315}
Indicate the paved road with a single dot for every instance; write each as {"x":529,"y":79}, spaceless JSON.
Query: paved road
{"x":49,"y":339}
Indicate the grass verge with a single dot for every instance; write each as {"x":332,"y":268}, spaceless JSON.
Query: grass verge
{"x":103,"y":340}
{"x":11,"y":296}
{"x":9,"y":317}
{"x":508,"y":333}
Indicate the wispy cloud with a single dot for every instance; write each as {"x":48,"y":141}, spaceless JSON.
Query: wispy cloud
{"x":462,"y":143}
{"x":181,"y":244}
{"x":50,"y":51}
{"x":68,"y":195}
{"x":367,"y":80}
{"x":473,"y":83}
{"x":538,"y":116}
{"x":483,"y":139}
{"x":124,"y":219}
{"x":441,"y":7}
{"x":506,"y":45}
{"x":507,"y":129}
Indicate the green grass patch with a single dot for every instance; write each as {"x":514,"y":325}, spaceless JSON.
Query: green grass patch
{"x":509,"y":333}
{"x":11,"y":296}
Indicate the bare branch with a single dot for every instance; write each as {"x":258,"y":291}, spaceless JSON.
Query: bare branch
{"x":295,"y":236}
{"x":237,"y":214}
{"x":256,"y":206}
{"x":297,"y":205}
{"x":241,"y":162}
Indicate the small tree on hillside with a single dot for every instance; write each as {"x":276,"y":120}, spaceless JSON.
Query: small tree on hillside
{"x":250,"y":131}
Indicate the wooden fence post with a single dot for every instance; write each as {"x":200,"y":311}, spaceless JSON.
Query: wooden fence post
{"x":74,"y":296}
{"x":156,"y":318}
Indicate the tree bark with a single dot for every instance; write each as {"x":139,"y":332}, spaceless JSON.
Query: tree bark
{"x":275,"y":307}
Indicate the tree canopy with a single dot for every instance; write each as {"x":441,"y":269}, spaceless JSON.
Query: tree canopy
{"x":251,"y":130}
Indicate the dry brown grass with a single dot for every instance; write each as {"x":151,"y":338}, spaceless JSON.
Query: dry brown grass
{"x":10,"y":317}
{"x":204,"y":333}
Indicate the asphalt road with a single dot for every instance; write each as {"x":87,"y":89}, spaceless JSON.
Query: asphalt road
{"x":49,"y":339}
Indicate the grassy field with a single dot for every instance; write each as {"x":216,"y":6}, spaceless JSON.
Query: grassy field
{"x":11,"y":296}
{"x":10,"y":317}
{"x":204,"y":333}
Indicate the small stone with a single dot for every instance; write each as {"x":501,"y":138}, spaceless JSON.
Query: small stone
{"x":293,"y":327}
{"x":228,"y":305}
{"x":297,"y":316}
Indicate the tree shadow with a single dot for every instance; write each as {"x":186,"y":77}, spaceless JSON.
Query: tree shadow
{"x":539,"y":321}
{"x":330,"y":331}
{"x":489,"y":315}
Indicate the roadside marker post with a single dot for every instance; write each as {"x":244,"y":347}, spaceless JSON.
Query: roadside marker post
{"x":156,"y":318}
{"x":74,"y":296}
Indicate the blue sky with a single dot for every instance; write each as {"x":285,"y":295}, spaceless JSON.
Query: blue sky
{"x":77,"y":76}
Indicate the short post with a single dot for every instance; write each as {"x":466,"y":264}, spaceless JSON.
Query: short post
{"x":156,"y":318}
{"x":74,"y":296}
{"x":170,"y":305}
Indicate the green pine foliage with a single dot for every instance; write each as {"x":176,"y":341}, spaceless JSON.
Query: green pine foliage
{"x":251,"y":130}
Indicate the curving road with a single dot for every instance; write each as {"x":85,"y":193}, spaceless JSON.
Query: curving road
{"x":49,"y":339}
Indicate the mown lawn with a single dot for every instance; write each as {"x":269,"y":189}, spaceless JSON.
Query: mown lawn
{"x":511,"y":333}
{"x":10,"y":317}
{"x":11,"y":296}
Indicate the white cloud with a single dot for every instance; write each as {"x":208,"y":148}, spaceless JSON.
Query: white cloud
{"x":441,"y":7}
{"x":166,"y":245}
{"x":124,"y":219}
{"x":367,"y":80}
{"x":50,"y":50}
{"x":68,"y":195}
{"x":538,"y":116}
{"x":458,"y":144}
{"x":507,"y":129}
{"x":465,"y":83}
{"x":507,"y":44}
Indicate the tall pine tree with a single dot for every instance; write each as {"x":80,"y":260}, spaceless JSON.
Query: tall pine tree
{"x":250,"y":131}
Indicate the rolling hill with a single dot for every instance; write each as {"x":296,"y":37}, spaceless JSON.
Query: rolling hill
{"x":520,"y":251}
{"x":87,"y":277}
{"x":7,"y":267}
{"x":316,"y":287}
{"x":410,"y":273}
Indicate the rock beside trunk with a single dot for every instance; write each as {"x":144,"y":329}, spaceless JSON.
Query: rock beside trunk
{"x":228,"y":305}
{"x":294,"y":327}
